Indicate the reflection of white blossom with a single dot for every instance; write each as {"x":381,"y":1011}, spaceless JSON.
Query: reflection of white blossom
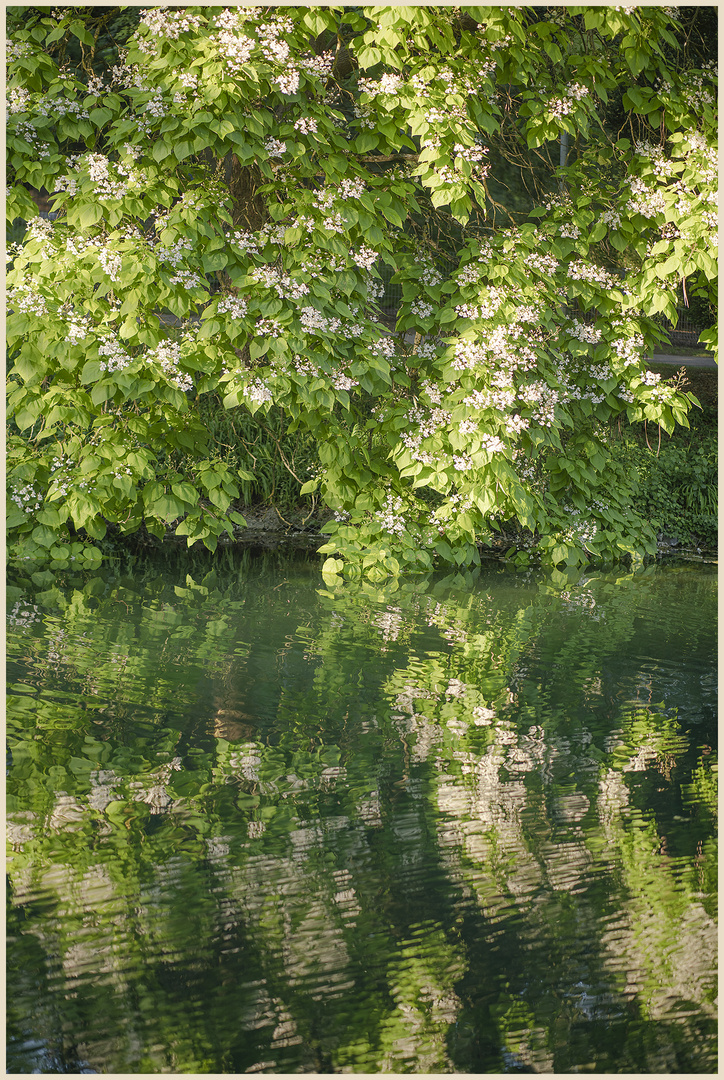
{"x":483,"y":716}
{"x":389,"y":623}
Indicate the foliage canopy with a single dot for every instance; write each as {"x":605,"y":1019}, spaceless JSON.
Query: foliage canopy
{"x":232,"y":189}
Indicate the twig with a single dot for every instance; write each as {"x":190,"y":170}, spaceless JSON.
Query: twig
{"x":314,"y":507}
{"x":288,"y":523}
{"x":387,"y":157}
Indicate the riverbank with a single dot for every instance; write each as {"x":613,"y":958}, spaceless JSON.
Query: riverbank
{"x":268,"y":529}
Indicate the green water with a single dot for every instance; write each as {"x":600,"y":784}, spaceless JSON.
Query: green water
{"x":260,"y":824}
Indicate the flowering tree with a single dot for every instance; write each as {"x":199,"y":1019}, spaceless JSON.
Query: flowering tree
{"x":227,"y":199}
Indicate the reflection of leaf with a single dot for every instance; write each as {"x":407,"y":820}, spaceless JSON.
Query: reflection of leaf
{"x":403,"y":752}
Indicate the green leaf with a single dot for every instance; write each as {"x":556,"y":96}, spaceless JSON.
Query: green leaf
{"x":559,"y":553}
{"x":181,"y":150}
{"x":81,"y":32}
{"x":27,"y":415}
{"x":216,"y":260}
{"x":187,"y":492}
{"x":90,"y":214}
{"x":100,"y":116}
{"x":91,"y":372}
{"x":365,"y":142}
{"x":44,"y":535}
{"x":166,"y":508}
{"x":102,"y":391}
{"x":161,"y":150}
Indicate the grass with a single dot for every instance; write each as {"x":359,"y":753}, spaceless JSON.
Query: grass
{"x":678,"y":473}
{"x":270,"y":463}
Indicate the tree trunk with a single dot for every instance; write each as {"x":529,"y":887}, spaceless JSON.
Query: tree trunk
{"x":249,"y":208}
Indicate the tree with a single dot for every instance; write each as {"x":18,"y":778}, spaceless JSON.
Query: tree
{"x":228,"y":200}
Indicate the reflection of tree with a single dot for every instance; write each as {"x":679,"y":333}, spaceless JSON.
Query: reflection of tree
{"x":436,"y":788}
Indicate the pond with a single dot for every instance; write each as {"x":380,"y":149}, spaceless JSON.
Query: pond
{"x":263,"y":823}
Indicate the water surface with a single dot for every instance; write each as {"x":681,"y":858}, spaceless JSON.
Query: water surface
{"x":262,"y":824}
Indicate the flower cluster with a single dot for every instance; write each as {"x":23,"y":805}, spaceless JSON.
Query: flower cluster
{"x":111,"y":262}
{"x":26,"y":498}
{"x":645,"y":200}
{"x":235,"y":306}
{"x":384,"y":346}
{"x":467,"y":311}
{"x":364,"y":117}
{"x":306,"y":125}
{"x":577,"y":91}
{"x":501,"y":398}
{"x":246,"y":242}
{"x":474,"y":155}
{"x":422,"y":309}
{"x":165,"y":23}
{"x":471,"y":273}
{"x":364,"y":257}
{"x":387,"y":84}
{"x":168,"y":355}
{"x":429,"y":274}
{"x":16,"y":50}
{"x":258,"y":391}
{"x":340,"y":381}
{"x":544,"y":398}
{"x":283,"y":284}
{"x":18,"y":100}
{"x":600,"y":372}
{"x":492,"y":444}
{"x":334,"y":223}
{"x":661,"y":166}
{"x":318,"y":66}
{"x":629,"y":350}
{"x":698,"y":90}
{"x":390,"y":518}
{"x":275,"y":147}
{"x":313,"y":321}
{"x":427,"y":350}
{"x":699,"y":146}
{"x":351,"y":188}
{"x":26,"y":300}
{"x":269,"y":328}
{"x":580,"y":271}
{"x":78,"y":329}
{"x":612,"y":218}
{"x":116,"y":356}
{"x":584,"y":332}
{"x":100,"y":172}
{"x":187,"y":278}
{"x":288,"y":83}
{"x":558,"y":107}
{"x":544,"y":264}
{"x":423,"y":424}
{"x":236,"y":49}
{"x":468,"y":355}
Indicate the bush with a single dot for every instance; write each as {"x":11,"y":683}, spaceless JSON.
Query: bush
{"x":677,"y":490}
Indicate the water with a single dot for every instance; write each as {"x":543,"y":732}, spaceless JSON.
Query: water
{"x":262,"y":824}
